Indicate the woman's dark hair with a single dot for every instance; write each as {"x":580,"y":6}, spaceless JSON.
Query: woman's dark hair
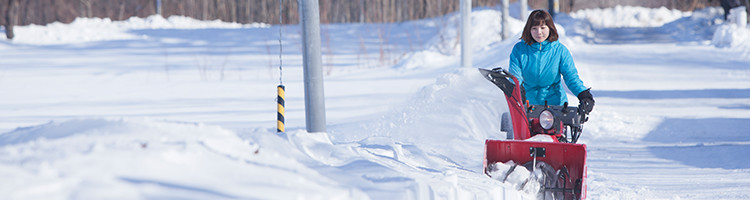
{"x":536,"y":18}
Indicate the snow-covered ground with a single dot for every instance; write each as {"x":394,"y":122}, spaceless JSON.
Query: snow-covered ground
{"x":176,"y":108}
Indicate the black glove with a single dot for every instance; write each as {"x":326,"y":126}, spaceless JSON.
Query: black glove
{"x":586,"y":101}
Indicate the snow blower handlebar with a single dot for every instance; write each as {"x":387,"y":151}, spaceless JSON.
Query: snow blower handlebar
{"x":507,"y":87}
{"x":565,"y":117}
{"x":514,"y":96}
{"x":500,"y":77}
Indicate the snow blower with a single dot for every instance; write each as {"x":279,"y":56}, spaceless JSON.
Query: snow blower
{"x":541,"y":137}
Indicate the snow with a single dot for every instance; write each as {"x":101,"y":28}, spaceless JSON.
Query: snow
{"x":179,"y":108}
{"x":629,"y":16}
{"x":98,"y":29}
{"x":731,"y":35}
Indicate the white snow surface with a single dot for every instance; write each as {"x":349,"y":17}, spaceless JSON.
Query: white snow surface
{"x":179,"y":108}
{"x":629,"y":16}
{"x":98,"y":29}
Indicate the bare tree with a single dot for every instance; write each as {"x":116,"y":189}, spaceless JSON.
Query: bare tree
{"x":267,"y":11}
{"x":11,"y":18}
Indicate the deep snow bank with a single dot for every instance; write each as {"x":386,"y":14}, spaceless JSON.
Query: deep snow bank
{"x":141,"y":158}
{"x":623,"y":24}
{"x":461,"y":109}
{"x":434,"y":136}
{"x":445,"y":49}
{"x":629,"y":16}
{"x":417,"y":150}
{"x":731,"y":36}
{"x":98,"y":29}
{"x":626,"y":24}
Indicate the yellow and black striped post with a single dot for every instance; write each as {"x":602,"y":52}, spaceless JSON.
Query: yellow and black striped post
{"x":280,"y":109}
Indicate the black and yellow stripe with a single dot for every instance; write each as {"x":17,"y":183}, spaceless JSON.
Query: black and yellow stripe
{"x":280,"y":109}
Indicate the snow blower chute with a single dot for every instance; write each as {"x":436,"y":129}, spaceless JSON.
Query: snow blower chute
{"x":543,"y":138}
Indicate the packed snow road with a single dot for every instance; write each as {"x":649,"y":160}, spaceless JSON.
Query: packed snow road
{"x":672,"y":118}
{"x":670,"y":123}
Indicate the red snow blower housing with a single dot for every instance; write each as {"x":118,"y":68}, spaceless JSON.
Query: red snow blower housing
{"x":564,"y":124}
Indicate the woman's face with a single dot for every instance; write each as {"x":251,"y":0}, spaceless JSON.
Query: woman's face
{"x":540,"y":32}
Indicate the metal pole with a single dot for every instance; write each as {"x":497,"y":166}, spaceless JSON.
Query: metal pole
{"x":554,"y":7}
{"x":465,"y":33}
{"x":505,"y":19}
{"x":524,"y":10}
{"x":158,"y":7}
{"x":315,"y":115}
{"x":280,"y":109}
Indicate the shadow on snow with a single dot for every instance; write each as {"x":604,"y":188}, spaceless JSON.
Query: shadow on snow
{"x":685,"y":29}
{"x":704,"y":143}
{"x":676,"y":94}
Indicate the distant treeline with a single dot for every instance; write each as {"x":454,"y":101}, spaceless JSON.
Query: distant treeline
{"x":267,"y":11}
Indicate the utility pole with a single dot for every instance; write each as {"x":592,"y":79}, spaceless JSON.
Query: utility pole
{"x":505,"y":19}
{"x":11,"y":18}
{"x":158,"y":7}
{"x":315,"y":114}
{"x":465,"y":33}
{"x":554,"y":7}
{"x":524,"y":10}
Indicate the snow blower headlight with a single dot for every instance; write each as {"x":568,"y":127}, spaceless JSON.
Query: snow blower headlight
{"x":546,"y":119}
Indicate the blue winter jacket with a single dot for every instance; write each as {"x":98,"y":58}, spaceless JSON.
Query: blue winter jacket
{"x":539,"y":66}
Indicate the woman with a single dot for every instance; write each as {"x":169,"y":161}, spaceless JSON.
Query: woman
{"x":538,"y":61}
